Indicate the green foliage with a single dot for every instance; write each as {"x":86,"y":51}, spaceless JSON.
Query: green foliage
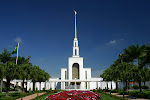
{"x":55,"y":91}
{"x":36,"y":89}
{"x":144,"y":94}
{"x":4,"y":89}
{"x":145,"y":87}
{"x":135,"y":86}
{"x":123,"y":92}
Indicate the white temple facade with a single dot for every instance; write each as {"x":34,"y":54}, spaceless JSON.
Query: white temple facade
{"x":75,"y":76}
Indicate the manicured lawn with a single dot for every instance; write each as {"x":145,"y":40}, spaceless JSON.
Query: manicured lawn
{"x":43,"y":97}
{"x":106,"y":97}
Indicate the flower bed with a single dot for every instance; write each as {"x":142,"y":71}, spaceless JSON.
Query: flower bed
{"x":75,"y":95}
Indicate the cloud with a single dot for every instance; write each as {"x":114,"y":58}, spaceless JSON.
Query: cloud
{"x":18,"y":39}
{"x":111,"y":42}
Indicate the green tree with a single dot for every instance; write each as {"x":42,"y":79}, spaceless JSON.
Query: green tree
{"x":125,"y":70}
{"x":46,"y":77}
{"x":107,"y":76}
{"x":2,"y":75}
{"x":34,"y":75}
{"x":132,"y":54}
{"x":11,"y":72}
{"x":5,"y":56}
{"x":115,"y":73}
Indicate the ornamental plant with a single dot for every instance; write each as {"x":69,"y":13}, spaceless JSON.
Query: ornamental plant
{"x":75,"y":95}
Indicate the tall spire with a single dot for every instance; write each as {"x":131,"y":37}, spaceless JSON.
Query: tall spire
{"x":75,"y":24}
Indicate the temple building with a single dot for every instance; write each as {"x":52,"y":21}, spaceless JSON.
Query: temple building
{"x":75,"y":76}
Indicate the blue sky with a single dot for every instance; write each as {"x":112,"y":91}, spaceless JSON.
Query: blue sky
{"x":45,"y":29}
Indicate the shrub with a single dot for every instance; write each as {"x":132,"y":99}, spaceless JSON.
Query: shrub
{"x":114,"y":91}
{"x":55,"y":91}
{"x":99,"y":90}
{"x":135,"y":86}
{"x":36,"y":89}
{"x":123,"y":92}
{"x":43,"y":89}
{"x":145,"y":87}
{"x":29,"y":89}
{"x":4,"y":89}
{"x":50,"y":90}
{"x":94,"y":90}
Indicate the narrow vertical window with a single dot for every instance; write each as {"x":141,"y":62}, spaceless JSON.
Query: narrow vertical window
{"x":85,"y":74}
{"x":75,"y":52}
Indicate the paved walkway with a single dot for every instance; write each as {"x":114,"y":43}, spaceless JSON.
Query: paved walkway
{"x":127,"y":96}
{"x":30,"y":97}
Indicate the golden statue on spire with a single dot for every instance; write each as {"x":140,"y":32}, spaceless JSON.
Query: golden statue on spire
{"x":75,"y":12}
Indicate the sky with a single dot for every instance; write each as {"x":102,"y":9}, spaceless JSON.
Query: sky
{"x":45,"y":30}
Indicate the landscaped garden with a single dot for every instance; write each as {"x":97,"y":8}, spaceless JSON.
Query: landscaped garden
{"x":75,"y":95}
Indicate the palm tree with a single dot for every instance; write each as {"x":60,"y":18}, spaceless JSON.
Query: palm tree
{"x":125,"y":70}
{"x":115,"y":73}
{"x":2,"y":71}
{"x":34,"y":75}
{"x":40,"y":76}
{"x":46,"y":77}
{"x":133,"y":53}
{"x":23,"y":73}
{"x":146,"y":55}
{"x":11,"y":72}
{"x":145,"y":74}
{"x":107,"y":76}
{"x":5,"y":56}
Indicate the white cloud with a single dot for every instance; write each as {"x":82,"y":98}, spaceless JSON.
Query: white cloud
{"x":111,"y":42}
{"x":18,"y":39}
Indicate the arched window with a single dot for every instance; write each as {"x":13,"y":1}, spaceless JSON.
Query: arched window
{"x":75,"y":71}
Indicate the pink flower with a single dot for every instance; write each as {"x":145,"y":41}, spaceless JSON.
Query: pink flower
{"x":75,"y":95}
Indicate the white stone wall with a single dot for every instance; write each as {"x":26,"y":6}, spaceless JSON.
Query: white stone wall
{"x":73,"y":60}
{"x":63,"y":77}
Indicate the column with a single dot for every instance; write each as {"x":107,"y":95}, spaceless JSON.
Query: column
{"x":89,"y":85}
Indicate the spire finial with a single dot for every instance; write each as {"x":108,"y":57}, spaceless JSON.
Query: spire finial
{"x":75,"y":24}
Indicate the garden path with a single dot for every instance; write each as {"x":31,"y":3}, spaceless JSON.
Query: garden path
{"x":126,"y":96}
{"x":30,"y":97}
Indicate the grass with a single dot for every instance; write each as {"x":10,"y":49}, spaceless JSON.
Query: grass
{"x":43,"y":97}
{"x":14,"y":95}
{"x":106,"y":97}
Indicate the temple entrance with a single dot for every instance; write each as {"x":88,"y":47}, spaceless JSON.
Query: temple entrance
{"x":75,"y":85}
{"x":75,"y":71}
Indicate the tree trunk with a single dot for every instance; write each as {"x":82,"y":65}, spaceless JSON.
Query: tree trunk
{"x":107,"y":85}
{"x":7,"y":86}
{"x":116,"y":85}
{"x":127,"y":85}
{"x":1,"y":85}
{"x":111,"y":85}
{"x":40,"y":86}
{"x":45,"y":85}
{"x":33,"y":85}
{"x":144,"y":83}
{"x":23,"y":86}
{"x":140,"y":85}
